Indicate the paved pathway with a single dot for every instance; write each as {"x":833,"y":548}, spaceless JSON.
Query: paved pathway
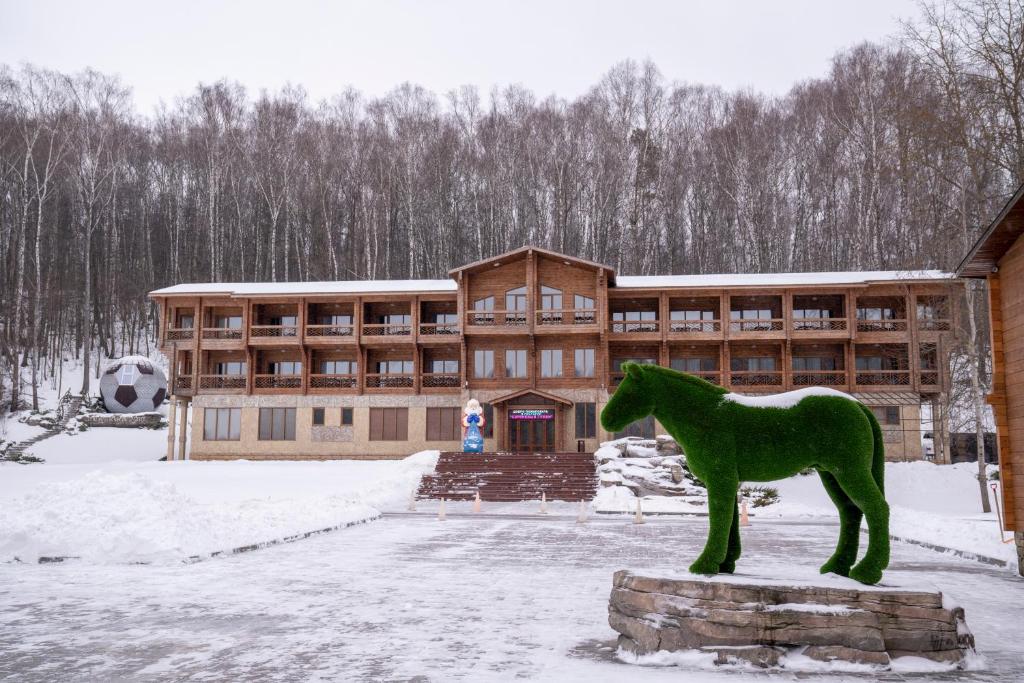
{"x":410,"y":597}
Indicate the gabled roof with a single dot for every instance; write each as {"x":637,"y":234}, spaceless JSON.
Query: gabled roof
{"x":493,"y":261}
{"x":1005,"y":229}
{"x":525,"y":392}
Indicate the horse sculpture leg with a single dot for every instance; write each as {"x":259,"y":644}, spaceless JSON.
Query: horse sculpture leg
{"x":733,"y":552}
{"x":849,"y":527}
{"x":861,"y":488}
{"x":721,"y":509}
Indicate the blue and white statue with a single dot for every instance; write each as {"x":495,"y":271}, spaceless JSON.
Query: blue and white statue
{"x":472,"y":421}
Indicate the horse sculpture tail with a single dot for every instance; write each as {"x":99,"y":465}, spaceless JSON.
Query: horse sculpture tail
{"x":878,"y":456}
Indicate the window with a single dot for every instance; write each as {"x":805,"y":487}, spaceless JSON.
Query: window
{"x":483,"y":364}
{"x":446,"y":318}
{"x":346,"y":417}
{"x":814,"y":363}
{"x":488,"y":430}
{"x":222,"y":424}
{"x":484,"y":304}
{"x":338,"y":367}
{"x":617,"y":362}
{"x":694,"y":365}
{"x":229,"y":367}
{"x":186,"y":322}
{"x":692,"y":315}
{"x":484,"y":311}
{"x":444,"y":366}
{"x":585,"y":310}
{"x":284,"y":320}
{"x":389,"y":424}
{"x":444,"y":424}
{"x":752,"y":314}
{"x":582,"y":302}
{"x":583,"y":363}
{"x":394,"y":367}
{"x":515,"y":363}
{"x":277,"y":424}
{"x":752,"y":364}
{"x":318,"y":416}
{"x":285,"y":367}
{"x":550,"y":298}
{"x":634,"y":321}
{"x":228,"y":322}
{"x":887,"y":415}
{"x":551,"y":363}
{"x":586,"y":420}
{"x":869,"y":363}
{"x":515,"y":299}
{"x":875,"y":313}
{"x":395,"y":319}
{"x":335,"y":319}
{"x":812,"y":313}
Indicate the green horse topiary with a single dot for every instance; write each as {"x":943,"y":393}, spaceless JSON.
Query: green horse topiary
{"x":729,"y":438}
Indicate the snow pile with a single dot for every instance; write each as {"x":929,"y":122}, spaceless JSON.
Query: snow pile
{"x":786,"y":399}
{"x":104,"y":517}
{"x":655,"y":470}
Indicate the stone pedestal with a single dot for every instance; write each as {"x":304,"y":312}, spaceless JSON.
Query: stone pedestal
{"x":766,"y":623}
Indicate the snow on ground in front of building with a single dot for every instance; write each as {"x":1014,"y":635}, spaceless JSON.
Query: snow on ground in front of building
{"x":101,"y":495}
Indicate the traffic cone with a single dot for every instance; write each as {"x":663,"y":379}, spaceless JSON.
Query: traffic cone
{"x":476,"y":502}
{"x":581,"y":518}
{"x":744,"y":517}
{"x":638,"y":518}
{"x":441,"y":515}
{"x":543,"y":503}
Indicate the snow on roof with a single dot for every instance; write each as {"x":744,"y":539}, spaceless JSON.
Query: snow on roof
{"x":775,"y":279}
{"x":295,"y":288}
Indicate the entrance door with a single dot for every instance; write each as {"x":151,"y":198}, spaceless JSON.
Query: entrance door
{"x":531,"y":430}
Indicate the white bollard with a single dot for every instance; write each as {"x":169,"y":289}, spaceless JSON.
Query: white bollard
{"x":441,"y":516}
{"x":744,"y":517}
{"x":476,"y":502}
{"x":638,"y":518}
{"x":412,"y":502}
{"x":581,"y":518}
{"x":543,"y":503}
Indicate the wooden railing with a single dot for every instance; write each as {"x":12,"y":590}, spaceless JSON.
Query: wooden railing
{"x":934,"y":325}
{"x":496,"y":318}
{"x":387,"y":329}
{"x":882,"y":325}
{"x":757,"y":325}
{"x":567,"y":316}
{"x":222,"y":381}
{"x":440,"y":379}
{"x":183,"y":383}
{"x":695,"y":326}
{"x":930,"y":377}
{"x":439,"y":328}
{"x":344,"y":330}
{"x":635,"y":326}
{"x":714,"y":377}
{"x":264,"y":331}
{"x":325,"y":381}
{"x":883,"y":377}
{"x":755,"y":378}
{"x":389,"y":381}
{"x":819,"y":324}
{"x":277,"y":382}
{"x":819,"y":378}
{"x":179,"y":334}
{"x":222,"y":333}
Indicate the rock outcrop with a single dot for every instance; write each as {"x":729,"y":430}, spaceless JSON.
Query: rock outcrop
{"x":772,"y":625}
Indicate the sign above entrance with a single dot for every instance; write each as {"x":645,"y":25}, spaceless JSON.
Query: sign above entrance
{"x":530,"y":414}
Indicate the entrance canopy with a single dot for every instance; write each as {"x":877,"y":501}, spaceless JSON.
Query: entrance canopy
{"x":531,"y":397}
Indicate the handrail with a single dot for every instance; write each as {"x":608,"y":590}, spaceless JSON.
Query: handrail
{"x":819,"y":324}
{"x":496,"y":318}
{"x":888,"y":325}
{"x":179,"y":333}
{"x":439,"y":328}
{"x":440,"y":379}
{"x":806,"y":378}
{"x":222,"y":333}
{"x":695,"y":326}
{"x":634,"y":326}
{"x":756,"y":325}
{"x":271,"y":381}
{"x":882,"y":377}
{"x":274,"y":331}
{"x":754,"y":378}
{"x":567,"y":316}
{"x":341,"y":330}
{"x":387,"y":329}
{"x":222,"y":381}
{"x":389,"y":380}
{"x":333,"y":381}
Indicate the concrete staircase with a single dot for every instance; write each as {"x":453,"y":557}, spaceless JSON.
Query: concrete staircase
{"x":511,"y":477}
{"x":67,"y":409}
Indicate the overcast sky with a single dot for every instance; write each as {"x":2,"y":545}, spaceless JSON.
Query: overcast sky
{"x":163,"y":49}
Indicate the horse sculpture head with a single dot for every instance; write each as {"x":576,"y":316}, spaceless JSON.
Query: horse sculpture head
{"x":632,"y":401}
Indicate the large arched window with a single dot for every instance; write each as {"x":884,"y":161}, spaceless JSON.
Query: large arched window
{"x":515,"y":306}
{"x":550,"y":298}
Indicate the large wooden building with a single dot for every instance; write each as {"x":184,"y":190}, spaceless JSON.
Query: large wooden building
{"x":373,"y":369}
{"x":998,"y":257}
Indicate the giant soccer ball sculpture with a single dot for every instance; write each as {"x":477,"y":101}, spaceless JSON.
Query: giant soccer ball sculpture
{"x":133,"y":385}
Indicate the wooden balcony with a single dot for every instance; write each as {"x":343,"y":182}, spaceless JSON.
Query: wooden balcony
{"x":440,"y":380}
{"x":324,"y":335}
{"x":758,"y":328}
{"x":882,"y":378}
{"x":752,"y":379}
{"x":390,"y":381}
{"x":934,"y":325}
{"x":439,"y":333}
{"x":386,"y":333}
{"x":333,"y":382}
{"x":930,"y":379}
{"x":821,"y":327}
{"x":567,"y":320}
{"x":714,"y":377}
{"x":819,"y":378}
{"x":223,"y":384}
{"x":214,"y":338}
{"x":273,"y":335}
{"x":495,"y":322}
{"x":695,"y":329}
{"x":183,"y":385}
{"x":277,"y":384}
{"x":635,"y":330}
{"x":172,"y":334}
{"x":882,"y":326}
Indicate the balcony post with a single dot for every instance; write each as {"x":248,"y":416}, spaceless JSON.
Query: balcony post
{"x":663,"y":316}
{"x":170,"y":427}
{"x":417,"y":367}
{"x":787,"y":361}
{"x":531,"y":291}
{"x":914,"y":353}
{"x":851,"y":363}
{"x":414,"y":318}
{"x":250,"y":370}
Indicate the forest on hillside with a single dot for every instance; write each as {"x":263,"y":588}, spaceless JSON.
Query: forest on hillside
{"x":895,"y":159}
